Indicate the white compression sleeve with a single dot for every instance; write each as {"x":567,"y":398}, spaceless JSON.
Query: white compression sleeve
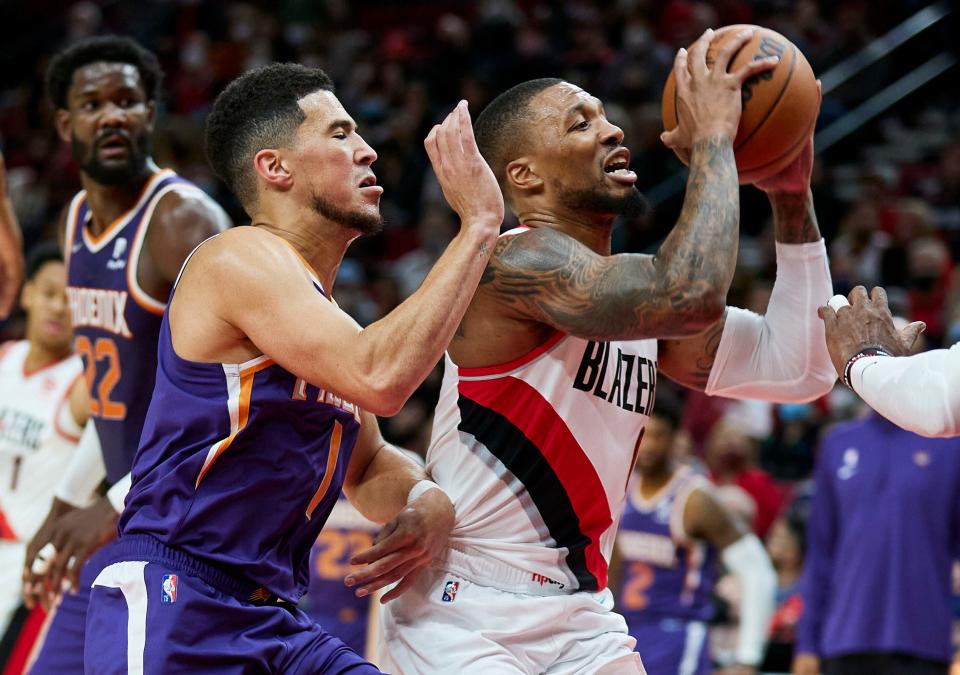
{"x":920,"y":393}
{"x":84,"y":472}
{"x":781,"y":356}
{"x":748,"y":560}
{"x":117,"y":494}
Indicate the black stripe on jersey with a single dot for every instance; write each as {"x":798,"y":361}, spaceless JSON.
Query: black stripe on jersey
{"x":525,"y":461}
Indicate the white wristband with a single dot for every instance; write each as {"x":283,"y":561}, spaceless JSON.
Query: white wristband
{"x":421,"y":487}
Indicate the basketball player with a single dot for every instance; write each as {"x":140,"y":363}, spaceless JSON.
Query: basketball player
{"x":919,"y":392}
{"x":11,"y":249}
{"x":125,"y":236}
{"x":672,"y":533}
{"x":266,"y":393}
{"x":42,"y":411}
{"x":552,"y":374}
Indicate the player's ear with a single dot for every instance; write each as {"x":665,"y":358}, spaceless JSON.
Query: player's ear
{"x":522,"y":175}
{"x":272,"y":168}
{"x":61,"y":120}
{"x":151,"y":115}
{"x":26,"y":296}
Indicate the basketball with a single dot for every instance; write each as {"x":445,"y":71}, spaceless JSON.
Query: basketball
{"x":779,"y":106}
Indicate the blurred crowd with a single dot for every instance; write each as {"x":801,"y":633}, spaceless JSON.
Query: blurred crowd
{"x":888,"y":198}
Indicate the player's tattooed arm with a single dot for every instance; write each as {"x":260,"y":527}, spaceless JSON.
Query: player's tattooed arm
{"x":794,"y":219}
{"x":689,"y":361}
{"x":547,"y":276}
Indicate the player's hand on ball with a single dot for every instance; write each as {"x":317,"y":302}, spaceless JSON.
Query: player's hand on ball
{"x":708,"y":97}
{"x":405,"y":546}
{"x":866,"y":322}
{"x":468,"y":183}
{"x":71,"y":537}
{"x":795,"y":178}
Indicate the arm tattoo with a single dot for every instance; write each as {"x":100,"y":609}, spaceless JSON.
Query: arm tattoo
{"x":689,"y":361}
{"x":550,"y":277}
{"x":795,"y":221}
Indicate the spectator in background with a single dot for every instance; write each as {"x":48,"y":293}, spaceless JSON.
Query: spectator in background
{"x":673,"y":534}
{"x":883,"y":531}
{"x":731,"y":456}
{"x":786,"y":544}
{"x":43,"y":407}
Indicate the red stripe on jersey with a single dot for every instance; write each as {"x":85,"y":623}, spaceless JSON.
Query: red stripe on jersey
{"x":532,"y":414}
{"x":509,"y":366}
{"x":6,"y":532}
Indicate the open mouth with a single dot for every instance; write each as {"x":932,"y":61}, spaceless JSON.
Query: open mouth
{"x":368,"y":185}
{"x":617,"y":167}
{"x":113,"y":146}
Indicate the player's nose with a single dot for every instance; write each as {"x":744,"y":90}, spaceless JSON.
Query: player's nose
{"x":611,"y":134}
{"x":366,"y":155}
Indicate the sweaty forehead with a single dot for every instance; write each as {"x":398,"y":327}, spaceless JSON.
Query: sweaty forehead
{"x":101,"y":74}
{"x":550,"y":109}
{"x":322,"y":108}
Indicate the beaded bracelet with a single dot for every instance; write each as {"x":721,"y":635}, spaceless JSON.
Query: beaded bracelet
{"x":863,"y":353}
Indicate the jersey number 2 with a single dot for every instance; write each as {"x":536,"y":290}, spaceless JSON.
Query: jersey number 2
{"x":104,"y":349}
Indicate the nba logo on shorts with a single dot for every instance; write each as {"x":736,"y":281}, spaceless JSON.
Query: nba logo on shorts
{"x":450,"y":591}
{"x":169,"y":589}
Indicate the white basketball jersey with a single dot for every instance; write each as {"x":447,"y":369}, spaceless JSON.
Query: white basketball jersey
{"x":37,"y":437}
{"x":536,"y":454}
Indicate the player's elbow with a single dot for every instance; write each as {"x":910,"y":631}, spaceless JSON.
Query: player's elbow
{"x":699,"y":308}
{"x":385,"y":396}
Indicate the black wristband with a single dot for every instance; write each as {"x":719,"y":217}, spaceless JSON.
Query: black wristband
{"x":863,"y":353}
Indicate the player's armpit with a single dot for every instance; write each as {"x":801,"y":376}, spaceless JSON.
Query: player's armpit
{"x":688,"y":361}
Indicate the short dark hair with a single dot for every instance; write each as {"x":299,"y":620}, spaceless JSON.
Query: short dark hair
{"x":40,"y":255}
{"x":668,"y":408}
{"x":106,"y":49}
{"x":260,"y":109}
{"x":499,"y":129}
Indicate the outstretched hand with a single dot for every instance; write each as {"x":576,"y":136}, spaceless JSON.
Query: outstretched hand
{"x":466,"y":179}
{"x":71,"y":535}
{"x":867,"y":322}
{"x":406,"y":546}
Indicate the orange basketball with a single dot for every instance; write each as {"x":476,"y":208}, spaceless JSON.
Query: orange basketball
{"x":779,"y":106}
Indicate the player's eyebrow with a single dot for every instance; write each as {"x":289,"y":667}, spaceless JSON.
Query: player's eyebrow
{"x":579,"y":107}
{"x":343,"y":123}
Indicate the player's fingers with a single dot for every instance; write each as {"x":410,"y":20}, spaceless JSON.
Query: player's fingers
{"x":910,"y":333}
{"x":433,"y":152}
{"x":698,"y":53}
{"x":857,"y":296}
{"x":828,"y":315}
{"x":383,"y":566}
{"x":466,"y":130}
{"x":448,"y":137}
{"x":725,"y":54}
{"x":681,"y":73}
{"x":381,"y":549}
{"x":390,"y":576}
{"x":751,"y":68}
{"x":401,"y":587}
{"x":878,"y":295}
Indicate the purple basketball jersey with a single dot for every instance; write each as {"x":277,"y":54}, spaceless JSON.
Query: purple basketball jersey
{"x":239,"y":466}
{"x":664,"y":576}
{"x":115,"y":322}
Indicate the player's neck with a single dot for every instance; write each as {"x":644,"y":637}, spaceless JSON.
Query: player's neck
{"x":787,"y":577}
{"x":39,"y":356}
{"x":109,"y":202}
{"x":594,"y":232}
{"x":321,"y":242}
{"x":653,"y":480}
